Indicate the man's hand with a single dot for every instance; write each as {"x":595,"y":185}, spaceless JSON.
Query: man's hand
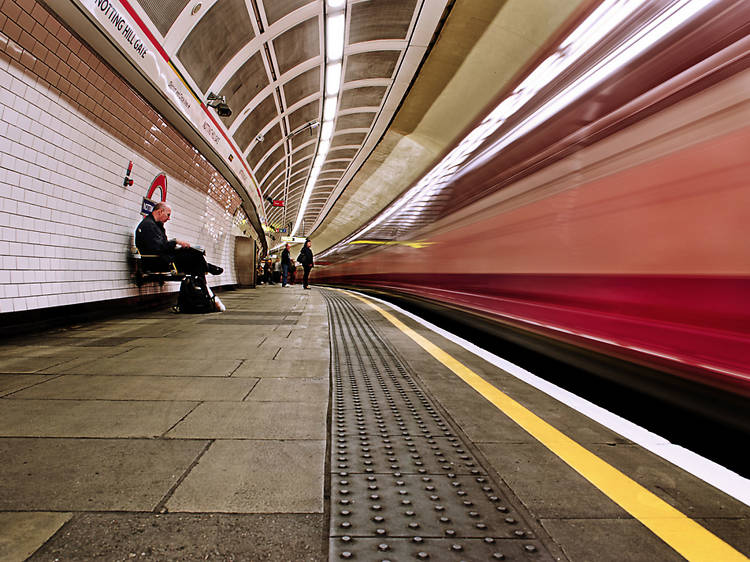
{"x":183,"y":243}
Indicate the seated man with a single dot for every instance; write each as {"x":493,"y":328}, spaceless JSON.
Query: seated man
{"x":151,"y":239}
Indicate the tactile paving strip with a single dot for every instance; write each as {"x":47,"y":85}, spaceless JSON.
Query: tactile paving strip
{"x":404,"y":486}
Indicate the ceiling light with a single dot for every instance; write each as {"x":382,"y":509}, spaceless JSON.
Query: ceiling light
{"x":335,"y":37}
{"x":336,"y":3}
{"x":333,"y":79}
{"x":329,"y":108}
{"x":323,"y":146}
{"x":326,"y":131}
{"x":319,"y":160}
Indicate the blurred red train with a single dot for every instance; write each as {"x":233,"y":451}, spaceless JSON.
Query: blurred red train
{"x":604,"y":202}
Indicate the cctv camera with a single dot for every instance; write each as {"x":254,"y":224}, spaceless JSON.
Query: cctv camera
{"x":219,"y":103}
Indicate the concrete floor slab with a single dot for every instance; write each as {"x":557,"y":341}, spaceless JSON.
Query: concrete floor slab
{"x":255,"y":477}
{"x":12,"y":383}
{"x":254,"y":420}
{"x":214,"y":349}
{"x":290,"y":390}
{"x":608,"y":540}
{"x":279,"y":368}
{"x":548,"y":487}
{"x":88,"y":418}
{"x":28,"y":364}
{"x":190,"y":364}
{"x":23,"y":533}
{"x":126,"y":387}
{"x":92,"y":474}
{"x":189,"y":537}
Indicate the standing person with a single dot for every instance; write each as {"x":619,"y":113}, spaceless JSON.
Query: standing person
{"x":306,"y":259}
{"x":286,"y":264}
{"x":151,"y":239}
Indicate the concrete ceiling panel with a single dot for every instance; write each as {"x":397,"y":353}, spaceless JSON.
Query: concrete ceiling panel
{"x":275,"y":159}
{"x":348,"y":139}
{"x":255,"y":122}
{"x":277,"y":9}
{"x":163,"y":13}
{"x":271,"y":137}
{"x":380,"y":19}
{"x":215,"y":39}
{"x":298,"y":44}
{"x":361,"y":120}
{"x":369,"y":96}
{"x":244,"y":85}
{"x":304,"y":115}
{"x":302,"y":86}
{"x":371,"y":64}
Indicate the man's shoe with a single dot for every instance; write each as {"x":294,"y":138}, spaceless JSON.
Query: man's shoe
{"x":215,"y":269}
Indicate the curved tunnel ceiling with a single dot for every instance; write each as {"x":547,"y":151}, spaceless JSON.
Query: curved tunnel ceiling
{"x":268,"y":58}
{"x":415,"y":74}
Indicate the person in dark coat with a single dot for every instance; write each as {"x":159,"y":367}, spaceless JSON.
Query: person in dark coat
{"x":306,"y":259}
{"x":151,"y":240}
{"x":286,"y":264}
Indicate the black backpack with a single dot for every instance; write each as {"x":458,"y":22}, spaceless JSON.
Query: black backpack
{"x":195,"y":296}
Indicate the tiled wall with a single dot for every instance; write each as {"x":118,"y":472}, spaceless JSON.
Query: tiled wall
{"x":68,"y":128}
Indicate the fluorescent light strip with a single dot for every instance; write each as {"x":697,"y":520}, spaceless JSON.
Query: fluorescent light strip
{"x":335,"y":37}
{"x":335,"y":33}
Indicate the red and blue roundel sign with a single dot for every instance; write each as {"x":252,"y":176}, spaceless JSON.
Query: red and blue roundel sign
{"x":148,"y":204}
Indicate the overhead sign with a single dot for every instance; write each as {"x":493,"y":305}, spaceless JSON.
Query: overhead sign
{"x":294,"y":239}
{"x":277,"y":203}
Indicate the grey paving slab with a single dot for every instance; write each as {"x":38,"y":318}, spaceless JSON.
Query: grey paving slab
{"x":290,"y":390}
{"x":192,"y":365}
{"x":28,"y":364}
{"x":608,"y":540}
{"x":255,"y":477}
{"x":254,"y":420}
{"x":92,"y":474}
{"x":293,"y":368}
{"x":311,"y":352}
{"x":214,"y":349}
{"x":23,"y":533}
{"x":125,"y":387}
{"x":12,"y":383}
{"x":189,"y":537}
{"x":88,"y":418}
{"x":298,"y":342}
{"x":547,"y":486}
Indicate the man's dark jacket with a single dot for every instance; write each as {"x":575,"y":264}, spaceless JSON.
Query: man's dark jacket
{"x":285,"y":259}
{"x":305,"y":257}
{"x":151,"y":238}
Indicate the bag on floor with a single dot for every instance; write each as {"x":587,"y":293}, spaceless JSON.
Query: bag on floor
{"x":195,"y":296}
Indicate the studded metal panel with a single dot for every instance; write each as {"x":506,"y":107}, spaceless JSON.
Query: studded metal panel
{"x":404,"y":484}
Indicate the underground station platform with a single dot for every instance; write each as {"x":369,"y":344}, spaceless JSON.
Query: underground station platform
{"x":321,"y":425}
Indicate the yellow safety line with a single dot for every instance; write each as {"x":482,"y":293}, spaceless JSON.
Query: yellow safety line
{"x":680,"y":532}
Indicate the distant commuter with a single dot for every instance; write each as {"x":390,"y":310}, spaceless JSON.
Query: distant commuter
{"x":151,"y":239}
{"x":268,"y":271}
{"x":306,"y":259}
{"x":286,"y":264}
